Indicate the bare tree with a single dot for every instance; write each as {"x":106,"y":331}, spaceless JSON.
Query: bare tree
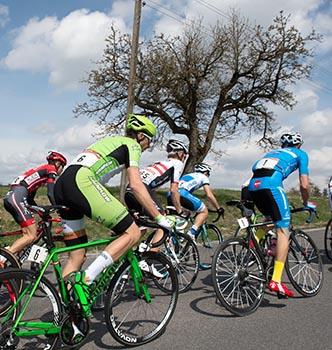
{"x":206,"y":85}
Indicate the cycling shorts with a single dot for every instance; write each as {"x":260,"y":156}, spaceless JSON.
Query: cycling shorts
{"x":270,"y":198}
{"x":15,"y":203}
{"x":188,"y":201}
{"x":134,"y":205}
{"x":79,"y":190}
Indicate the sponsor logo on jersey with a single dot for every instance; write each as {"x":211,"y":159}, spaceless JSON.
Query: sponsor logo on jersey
{"x":257,"y":183}
{"x":31,"y":178}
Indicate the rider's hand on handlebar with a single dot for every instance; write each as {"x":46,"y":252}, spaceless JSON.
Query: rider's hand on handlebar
{"x":165,"y":222}
{"x":311,"y":206}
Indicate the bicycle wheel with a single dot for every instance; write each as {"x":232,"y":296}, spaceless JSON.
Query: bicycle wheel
{"x":328,"y":240}
{"x":208,"y":239}
{"x":238,"y":277}
{"x":304,"y":264}
{"x":7,"y":260}
{"x":183,"y":253}
{"x":132,"y":320}
{"x":45,"y":306}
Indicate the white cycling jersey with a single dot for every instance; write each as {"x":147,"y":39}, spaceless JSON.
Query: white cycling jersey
{"x":193,"y":181}
{"x":329,"y":191}
{"x":159,"y":173}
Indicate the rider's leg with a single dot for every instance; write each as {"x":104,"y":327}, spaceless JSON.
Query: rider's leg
{"x":281,"y":254}
{"x":29,"y":236}
{"x":199,"y":221}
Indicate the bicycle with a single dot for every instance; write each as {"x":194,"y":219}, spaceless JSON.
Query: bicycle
{"x":183,"y":253}
{"x":242,"y":267}
{"x":63,"y":315}
{"x":328,"y":239}
{"x":207,"y":239}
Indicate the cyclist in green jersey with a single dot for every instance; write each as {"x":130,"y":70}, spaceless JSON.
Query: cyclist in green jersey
{"x":81,"y":189}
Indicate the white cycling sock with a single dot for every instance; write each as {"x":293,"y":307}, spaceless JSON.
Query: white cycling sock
{"x":102,"y":261}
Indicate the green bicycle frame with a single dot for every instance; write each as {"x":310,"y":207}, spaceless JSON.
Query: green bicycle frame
{"x":48,"y":328}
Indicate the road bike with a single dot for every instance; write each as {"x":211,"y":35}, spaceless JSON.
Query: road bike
{"x":328,"y":239}
{"x":242,"y":267}
{"x":207,"y":239}
{"x":43,"y":315}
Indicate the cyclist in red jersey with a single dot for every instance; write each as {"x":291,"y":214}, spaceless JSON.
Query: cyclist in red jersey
{"x":22,"y":192}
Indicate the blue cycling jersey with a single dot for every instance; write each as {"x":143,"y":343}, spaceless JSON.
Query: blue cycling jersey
{"x":285,"y":161}
{"x":193,"y":181}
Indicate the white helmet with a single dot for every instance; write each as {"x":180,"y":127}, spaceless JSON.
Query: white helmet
{"x":291,"y":139}
{"x":202,"y":168}
{"x":175,"y":146}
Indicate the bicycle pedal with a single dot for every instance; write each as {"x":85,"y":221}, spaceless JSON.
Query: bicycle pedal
{"x":282,"y":296}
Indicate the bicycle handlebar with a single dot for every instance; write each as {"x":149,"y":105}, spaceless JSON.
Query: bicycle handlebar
{"x":311,"y":216}
{"x":219,"y":214}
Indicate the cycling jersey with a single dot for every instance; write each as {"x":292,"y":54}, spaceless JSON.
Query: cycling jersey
{"x":159,"y":173}
{"x":33,"y":178}
{"x":23,"y":190}
{"x":193,"y":181}
{"x":329,"y":191}
{"x":266,"y":186}
{"x":80,"y":187}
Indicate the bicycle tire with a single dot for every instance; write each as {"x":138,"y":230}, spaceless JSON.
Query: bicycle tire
{"x":328,"y":239}
{"x":207,"y":244}
{"x":183,"y":253}
{"x":122,"y":303}
{"x":305,"y":276}
{"x":238,"y":277}
{"x":11,"y":262}
{"x":47,"y":304}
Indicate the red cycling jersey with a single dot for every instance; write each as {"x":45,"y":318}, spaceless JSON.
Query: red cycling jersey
{"x":33,"y":178}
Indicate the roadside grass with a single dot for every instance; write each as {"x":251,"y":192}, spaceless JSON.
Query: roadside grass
{"x":227,"y":225}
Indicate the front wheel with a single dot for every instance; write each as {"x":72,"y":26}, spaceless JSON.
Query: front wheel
{"x":238,"y":277}
{"x":208,"y":239}
{"x":131,"y":318}
{"x":328,"y":239}
{"x":304,"y":264}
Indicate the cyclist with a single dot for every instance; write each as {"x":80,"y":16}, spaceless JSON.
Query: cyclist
{"x":81,"y":189}
{"x":22,"y":192}
{"x":159,"y":173}
{"x":190,"y":183}
{"x":266,"y":189}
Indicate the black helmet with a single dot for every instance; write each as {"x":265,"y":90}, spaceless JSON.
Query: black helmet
{"x":291,"y":139}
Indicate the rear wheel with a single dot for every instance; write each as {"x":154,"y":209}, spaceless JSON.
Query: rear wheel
{"x":328,"y":239}
{"x":238,"y":277}
{"x":208,"y":239}
{"x":130,"y":318}
{"x":304,"y":264}
{"x":39,"y":326}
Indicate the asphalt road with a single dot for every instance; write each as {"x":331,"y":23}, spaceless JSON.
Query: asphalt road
{"x":200,"y":323}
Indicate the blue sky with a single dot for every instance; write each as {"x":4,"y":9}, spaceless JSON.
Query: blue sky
{"x":47,"y":47}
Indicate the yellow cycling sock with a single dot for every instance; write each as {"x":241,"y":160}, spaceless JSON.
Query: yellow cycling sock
{"x":259,"y":234}
{"x":277,"y":271}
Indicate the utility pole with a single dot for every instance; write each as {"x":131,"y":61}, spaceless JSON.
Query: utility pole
{"x":132,"y":78}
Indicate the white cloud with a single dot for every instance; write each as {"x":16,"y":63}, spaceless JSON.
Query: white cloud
{"x":65,"y":48}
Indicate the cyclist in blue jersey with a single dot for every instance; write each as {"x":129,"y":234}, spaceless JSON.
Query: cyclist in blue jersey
{"x":268,"y":194}
{"x":190,"y":183}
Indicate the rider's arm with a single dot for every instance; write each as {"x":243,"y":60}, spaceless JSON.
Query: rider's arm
{"x":304,"y":188}
{"x":140,"y":192}
{"x":50,"y":192}
{"x":210,"y":196}
{"x":31,"y":198}
{"x":176,"y":196}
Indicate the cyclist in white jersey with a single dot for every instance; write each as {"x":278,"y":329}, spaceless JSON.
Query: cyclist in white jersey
{"x":190,"y":183}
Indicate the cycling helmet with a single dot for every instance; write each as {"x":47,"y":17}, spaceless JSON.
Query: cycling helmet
{"x":175,"y":146}
{"x":141,"y":123}
{"x":291,"y":139}
{"x":54,"y":156}
{"x":202,"y":168}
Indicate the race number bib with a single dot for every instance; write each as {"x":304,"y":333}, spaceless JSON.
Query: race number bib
{"x":86,"y":159}
{"x":267,"y":163}
{"x":37,"y":254}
